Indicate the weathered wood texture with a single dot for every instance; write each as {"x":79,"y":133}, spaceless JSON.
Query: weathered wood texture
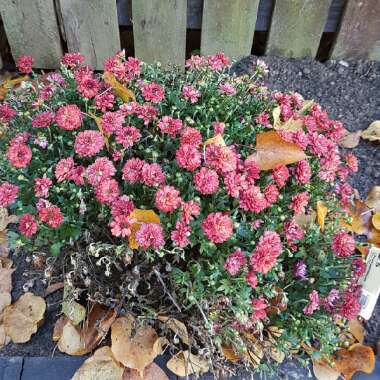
{"x":359,"y":34}
{"x":91,"y":28}
{"x":228,"y":26}
{"x":159,"y":29}
{"x":32,"y":29}
{"x":297,"y":27}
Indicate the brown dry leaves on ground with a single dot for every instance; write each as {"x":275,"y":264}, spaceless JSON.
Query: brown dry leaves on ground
{"x":352,"y":139}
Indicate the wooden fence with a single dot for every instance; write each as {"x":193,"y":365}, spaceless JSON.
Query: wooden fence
{"x":48,"y":28}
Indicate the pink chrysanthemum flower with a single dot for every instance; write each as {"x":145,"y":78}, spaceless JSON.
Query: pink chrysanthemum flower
{"x":280,"y":175}
{"x":107,"y":191}
{"x":271,"y":194}
{"x":188,"y":157}
{"x":112,"y":121}
{"x":218,"y":127}
{"x":180,"y":236}
{"x":19,"y":155}
{"x":43,"y":119}
{"x":252,"y":168}
{"x":132,"y":170}
{"x":206,"y":181}
{"x":77,"y":175}
{"x":299,"y":202}
{"x":7,"y":113}
{"x":218,"y":61}
{"x":150,"y":235}
{"x":190,"y":210}
{"x":51,"y":215}
{"x":358,"y":267}
{"x":235,"y":262}
{"x":259,"y":306}
{"x":88,"y":143}
{"x":72,"y":60}
{"x":27,"y":225}
{"x":152,"y":175}
{"x":69,"y":117}
{"x":190,"y":93}
{"x":267,"y":250}
{"x":20,"y":138}
{"x":293,"y":231}
{"x":264,"y":120}
{"x":350,"y":306}
{"x":25,"y":64}
{"x":170,"y":126}
{"x":314,"y":304}
{"x":147,"y":112}
{"x":253,"y":200}
{"x":153,"y":92}
{"x":42,"y":186}
{"x":122,"y":206}
{"x":88,"y":86}
{"x":227,"y":89}
{"x":220,"y":158}
{"x":121,"y":225}
{"x":303,"y":172}
{"x":217,"y":227}
{"x":127,"y":136}
{"x":64,"y":168}
{"x":191,"y":136}
{"x":100,"y":170}
{"x":252,"y":279}
{"x":343,"y":244}
{"x":195,"y":62}
{"x":167,"y":199}
{"x":352,"y":162}
{"x":8,"y":194}
{"x":104,"y":101}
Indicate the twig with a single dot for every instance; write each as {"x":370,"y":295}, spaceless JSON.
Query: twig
{"x":157,"y":273}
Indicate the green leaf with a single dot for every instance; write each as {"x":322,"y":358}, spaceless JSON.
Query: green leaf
{"x":55,"y":248}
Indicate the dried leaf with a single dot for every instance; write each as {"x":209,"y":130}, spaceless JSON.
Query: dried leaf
{"x":307,"y":104}
{"x":321,"y":214}
{"x":3,"y":244}
{"x":356,"y":328}
{"x":5,"y":300}
{"x":357,"y":358}
{"x":373,"y":199}
{"x":372,"y":133}
{"x":151,"y":372}
{"x":60,"y":323}
{"x":21,"y":320}
{"x":185,"y":363}
{"x":272,"y":151}
{"x":135,"y":348}
{"x":276,"y":113}
{"x":72,"y":309}
{"x":216,"y":140}
{"x":10,"y":83}
{"x":71,"y":341}
{"x":53,"y":288}
{"x":125,"y":94}
{"x":6,"y":280}
{"x":322,"y":371}
{"x":100,"y":366}
{"x":4,"y":338}
{"x":276,"y":354}
{"x":177,"y":327}
{"x":361,"y":218}
{"x":350,"y":140}
{"x":373,"y":236}
{"x":141,"y":216}
{"x":106,"y":136}
{"x":230,"y":354}
{"x":6,"y":219}
{"x":376,"y":220}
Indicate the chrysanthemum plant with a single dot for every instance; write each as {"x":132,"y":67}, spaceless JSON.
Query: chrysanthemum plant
{"x":197,"y":195}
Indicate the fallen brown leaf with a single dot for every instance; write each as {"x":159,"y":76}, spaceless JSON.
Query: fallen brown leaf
{"x":5,"y":300}
{"x":22,"y":319}
{"x":372,"y":133}
{"x":72,"y":309}
{"x":322,"y":371}
{"x":216,"y":140}
{"x":356,"y":358}
{"x":151,"y":372}
{"x":177,"y":327}
{"x":350,"y":140}
{"x":373,"y":236}
{"x":6,"y":219}
{"x":361,"y":218}
{"x":321,"y":214}
{"x":230,"y":354}
{"x":272,"y":151}
{"x":70,"y":341}
{"x":185,"y":363}
{"x":53,"y":288}
{"x":373,"y":199}
{"x":122,"y":92}
{"x":100,"y":366}
{"x":133,"y":346}
{"x":4,"y":338}
{"x":376,"y":220}
{"x":6,"y":279}
{"x":58,"y":328}
{"x":356,"y":328}
{"x":4,"y":244}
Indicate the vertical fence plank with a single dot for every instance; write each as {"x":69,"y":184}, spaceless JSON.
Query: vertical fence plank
{"x":297,"y":27}
{"x":228,"y":26}
{"x":91,"y":27}
{"x":32,"y":29}
{"x":159,"y":30}
{"x":359,"y":33}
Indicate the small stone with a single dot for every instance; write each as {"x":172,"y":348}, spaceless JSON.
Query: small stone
{"x":344,"y":63}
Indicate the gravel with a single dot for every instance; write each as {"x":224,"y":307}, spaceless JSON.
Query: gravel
{"x":349,"y":91}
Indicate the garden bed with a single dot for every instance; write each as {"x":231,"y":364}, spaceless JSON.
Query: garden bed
{"x":348,"y":91}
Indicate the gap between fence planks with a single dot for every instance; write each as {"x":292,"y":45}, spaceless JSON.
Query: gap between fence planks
{"x":159,"y":30}
{"x":228,"y":26}
{"x":32,"y":29}
{"x":297,"y":27}
{"x":91,"y":28}
{"x":359,"y":33}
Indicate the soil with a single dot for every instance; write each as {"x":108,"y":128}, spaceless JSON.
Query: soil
{"x":349,"y":91}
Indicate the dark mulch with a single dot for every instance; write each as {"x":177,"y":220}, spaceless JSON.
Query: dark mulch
{"x":350,"y":91}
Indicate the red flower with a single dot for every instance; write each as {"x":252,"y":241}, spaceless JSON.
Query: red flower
{"x":51,"y":215}
{"x":27,"y":225}
{"x":107,"y":191}
{"x":153,"y":92}
{"x":343,"y":244}
{"x":72,"y":59}
{"x":206,"y":181}
{"x":25,"y":64}
{"x":235,"y":261}
{"x":19,"y":155}
{"x":188,"y":157}
{"x":43,"y":119}
{"x":69,"y":117}
{"x":8,"y":194}
{"x":167,"y":199}
{"x":217,"y":227}
{"x":150,"y":235}
{"x":88,"y":143}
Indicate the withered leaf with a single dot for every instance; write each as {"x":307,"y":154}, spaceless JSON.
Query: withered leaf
{"x":100,"y":366}
{"x":72,"y":309}
{"x":60,"y":323}
{"x":322,"y":371}
{"x":305,"y":220}
{"x":350,"y":140}
{"x":6,"y":279}
{"x":133,"y":347}
{"x":121,"y":91}
{"x":6,"y":219}
{"x":3,"y":244}
{"x":53,"y":288}
{"x":230,"y":354}
{"x":151,"y":372}
{"x":373,"y":199}
{"x":321,"y":214}
{"x":361,"y":218}
{"x":356,"y":328}
{"x":22,"y":319}
{"x":216,"y":140}
{"x":272,"y":151}
{"x":372,"y":133}
{"x":4,"y":338}
{"x":185,"y":363}
{"x":376,"y":220}
{"x":70,"y":341}
{"x":177,"y":327}
{"x":141,"y":216}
